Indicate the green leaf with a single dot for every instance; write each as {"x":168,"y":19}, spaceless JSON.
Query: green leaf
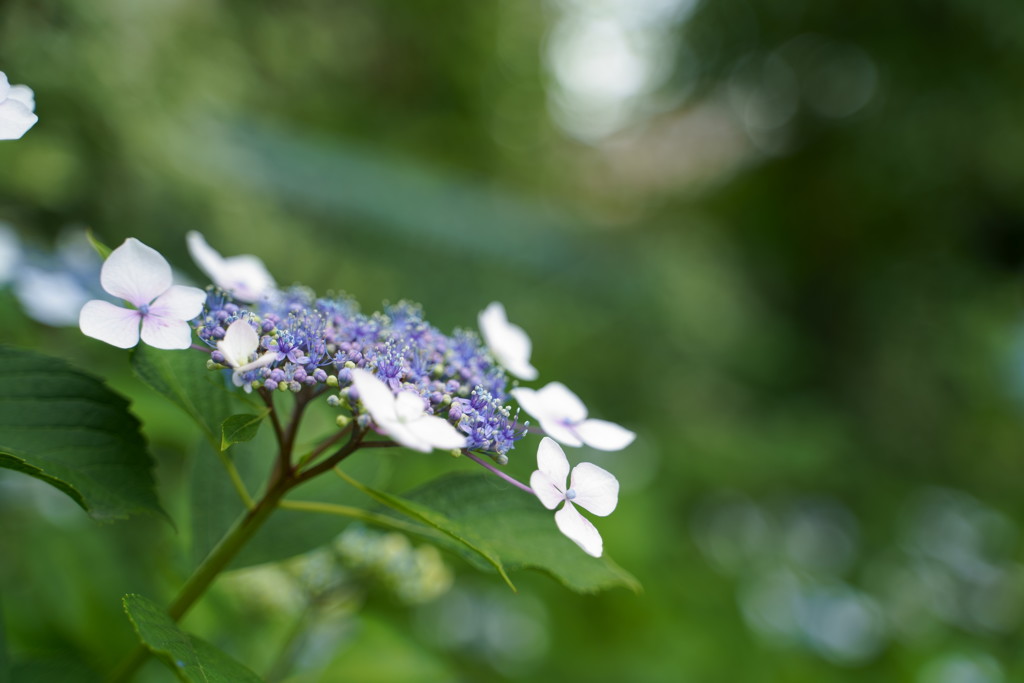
{"x":192,"y":659}
{"x":239,"y":428}
{"x":67,"y":428}
{"x":5,"y":658}
{"x":436,"y":519}
{"x":517,"y":528}
{"x":101,"y":249}
{"x":182,"y":377}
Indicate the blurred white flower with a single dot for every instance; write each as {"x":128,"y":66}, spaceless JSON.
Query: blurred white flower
{"x":403,"y":417}
{"x":142,"y":277}
{"x":17,"y":104}
{"x":594,"y":489}
{"x":245,"y":276}
{"x":509,"y":344}
{"x":563,"y":417}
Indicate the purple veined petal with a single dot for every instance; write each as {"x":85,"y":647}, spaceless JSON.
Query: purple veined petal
{"x":596,"y":489}
{"x":509,"y":343}
{"x":376,"y":397}
{"x":604,"y":435}
{"x":109,"y":323}
{"x":552,"y":424}
{"x":408,"y":406}
{"x":559,"y":431}
{"x":23,"y":94}
{"x":437,"y":432}
{"x":136,"y":273}
{"x":552,"y":462}
{"x":558,"y":401}
{"x":579,"y":530}
{"x":239,"y":344}
{"x":166,"y":333}
{"x":15,"y":119}
{"x":549,"y":492}
{"x":182,"y":303}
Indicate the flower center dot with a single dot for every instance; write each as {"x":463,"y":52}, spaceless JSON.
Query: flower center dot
{"x":570,"y":494}
{"x":144,"y":309}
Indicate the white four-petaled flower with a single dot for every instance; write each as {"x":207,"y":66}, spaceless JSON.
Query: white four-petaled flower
{"x":239,"y":345}
{"x":244,"y":276}
{"x":142,"y":277}
{"x":403,"y":417}
{"x":17,"y":104}
{"x":592,"y":488}
{"x":509,"y":343}
{"x":563,"y":417}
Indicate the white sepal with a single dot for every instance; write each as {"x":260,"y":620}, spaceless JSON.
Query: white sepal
{"x":508,"y":343}
{"x":579,"y":530}
{"x":141,"y":276}
{"x":403,"y":417}
{"x":563,"y":417}
{"x":244,"y":276}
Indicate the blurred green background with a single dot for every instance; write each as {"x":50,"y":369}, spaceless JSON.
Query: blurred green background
{"x":780,"y":239}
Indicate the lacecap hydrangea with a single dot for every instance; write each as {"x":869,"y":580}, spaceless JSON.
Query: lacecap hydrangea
{"x":317,"y":342}
{"x":392,"y":372}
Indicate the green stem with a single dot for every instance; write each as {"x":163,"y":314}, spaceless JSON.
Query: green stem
{"x":235,"y":539}
{"x":360,"y":514}
{"x":218,"y":559}
{"x":225,"y":551}
{"x":236,"y":479}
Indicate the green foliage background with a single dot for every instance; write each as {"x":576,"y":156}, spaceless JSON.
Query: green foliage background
{"x":827,"y":309}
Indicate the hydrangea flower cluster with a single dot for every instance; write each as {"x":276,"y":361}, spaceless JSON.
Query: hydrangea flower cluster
{"x":322,"y":341}
{"x":392,"y":370}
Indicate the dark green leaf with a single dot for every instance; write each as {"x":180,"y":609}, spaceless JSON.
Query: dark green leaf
{"x":517,"y":528}
{"x":438,"y":520}
{"x":5,"y":658}
{"x":239,"y":428}
{"x":182,"y":377}
{"x":67,"y":428}
{"x":192,"y":659}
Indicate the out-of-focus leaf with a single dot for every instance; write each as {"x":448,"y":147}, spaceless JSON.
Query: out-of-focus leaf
{"x":182,"y":377}
{"x":517,"y":528}
{"x":440,"y":521}
{"x":239,"y":428}
{"x":52,"y":670}
{"x":67,"y":428}
{"x":192,"y":659}
{"x":5,"y":658}
{"x":101,"y":249}
{"x":434,"y":202}
{"x":381,"y":653}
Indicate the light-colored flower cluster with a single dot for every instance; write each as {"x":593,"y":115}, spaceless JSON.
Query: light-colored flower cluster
{"x":422,"y":389}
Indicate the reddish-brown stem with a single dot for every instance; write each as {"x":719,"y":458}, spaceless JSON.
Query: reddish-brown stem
{"x":354,"y":442}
